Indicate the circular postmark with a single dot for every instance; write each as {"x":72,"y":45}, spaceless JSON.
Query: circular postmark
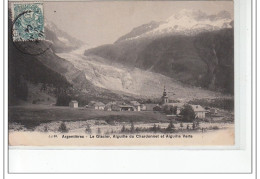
{"x":25,"y":35}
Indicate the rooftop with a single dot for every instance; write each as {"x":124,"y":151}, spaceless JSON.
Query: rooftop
{"x":198,"y":108}
{"x":125,"y":106}
{"x":135,"y":103}
{"x":73,"y":101}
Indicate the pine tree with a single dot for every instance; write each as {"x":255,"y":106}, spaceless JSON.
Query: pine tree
{"x":123,"y":128}
{"x":193,"y":126}
{"x":158,"y":128}
{"x":181,"y":125}
{"x":99,"y":131}
{"x":154,"y":129}
{"x":63,"y":127}
{"x":88,"y":129}
{"x":132,"y":129}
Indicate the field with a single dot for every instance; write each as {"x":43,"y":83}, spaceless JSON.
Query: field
{"x":32,"y":115}
{"x":49,"y":118}
{"x":38,"y":124}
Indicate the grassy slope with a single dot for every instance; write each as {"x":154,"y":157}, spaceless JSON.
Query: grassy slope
{"x":33,"y":115}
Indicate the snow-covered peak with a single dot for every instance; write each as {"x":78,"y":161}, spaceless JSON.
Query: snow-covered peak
{"x":190,"y":22}
{"x":198,"y":15}
{"x":62,"y":41}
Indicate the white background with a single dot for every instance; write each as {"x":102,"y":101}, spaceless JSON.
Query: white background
{"x":168,"y":161}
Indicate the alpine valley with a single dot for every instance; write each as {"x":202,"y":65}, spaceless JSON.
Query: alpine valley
{"x":191,"y":53}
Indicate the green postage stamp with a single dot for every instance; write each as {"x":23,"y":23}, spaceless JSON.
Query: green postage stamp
{"x":28,"y":22}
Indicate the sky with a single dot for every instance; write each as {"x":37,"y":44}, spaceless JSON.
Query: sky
{"x":103,"y":22}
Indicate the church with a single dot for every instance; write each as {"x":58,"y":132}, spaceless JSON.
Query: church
{"x":166,"y":101}
{"x":199,"y":110}
{"x":165,"y":98}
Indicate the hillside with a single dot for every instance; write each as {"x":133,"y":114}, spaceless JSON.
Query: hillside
{"x":34,"y":69}
{"x":136,"y":82}
{"x":189,"y":59}
{"x":190,"y":46}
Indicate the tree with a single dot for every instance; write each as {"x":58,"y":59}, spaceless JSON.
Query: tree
{"x":170,"y":127}
{"x":45,"y":129}
{"x":43,"y":87}
{"x":132,"y":129}
{"x":158,"y":128}
{"x":123,"y":129}
{"x":63,"y":99}
{"x":166,"y":109}
{"x":154,"y":128}
{"x":181,"y":125}
{"x":157,"y":108}
{"x":149,"y":101}
{"x":88,"y":129}
{"x":193,"y":126}
{"x":188,"y":113}
{"x":173,"y":109}
{"x":63,"y":127}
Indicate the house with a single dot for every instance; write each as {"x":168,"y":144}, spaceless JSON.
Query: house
{"x":200,"y":112}
{"x":97,"y":105}
{"x":143,"y":107}
{"x":126,"y":108}
{"x":137,"y":105}
{"x":73,"y":104}
{"x":119,"y":102}
{"x":115,"y":107}
{"x":108,"y":108}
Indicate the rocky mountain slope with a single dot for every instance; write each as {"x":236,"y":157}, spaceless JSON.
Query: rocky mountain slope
{"x":203,"y":58}
{"x":132,"y":81}
{"x":61,"y":41}
{"x":34,"y":63}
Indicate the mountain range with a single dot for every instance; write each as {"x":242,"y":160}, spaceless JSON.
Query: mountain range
{"x":185,"y":22}
{"x":195,"y":61}
{"x":191,"y":47}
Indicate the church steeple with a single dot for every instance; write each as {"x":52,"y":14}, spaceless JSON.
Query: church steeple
{"x":164,"y":97}
{"x":164,"y":92}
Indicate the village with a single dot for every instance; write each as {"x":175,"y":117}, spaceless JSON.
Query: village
{"x":170,"y":115}
{"x":168,"y":106}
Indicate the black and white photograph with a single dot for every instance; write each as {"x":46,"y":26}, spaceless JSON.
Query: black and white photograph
{"x":121,"y":73}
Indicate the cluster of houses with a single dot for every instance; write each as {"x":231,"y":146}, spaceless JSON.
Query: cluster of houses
{"x":117,"y":106}
{"x":112,"y":106}
{"x":200,"y":112}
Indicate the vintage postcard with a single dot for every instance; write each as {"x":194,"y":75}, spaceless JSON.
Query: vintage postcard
{"x":121,"y":73}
